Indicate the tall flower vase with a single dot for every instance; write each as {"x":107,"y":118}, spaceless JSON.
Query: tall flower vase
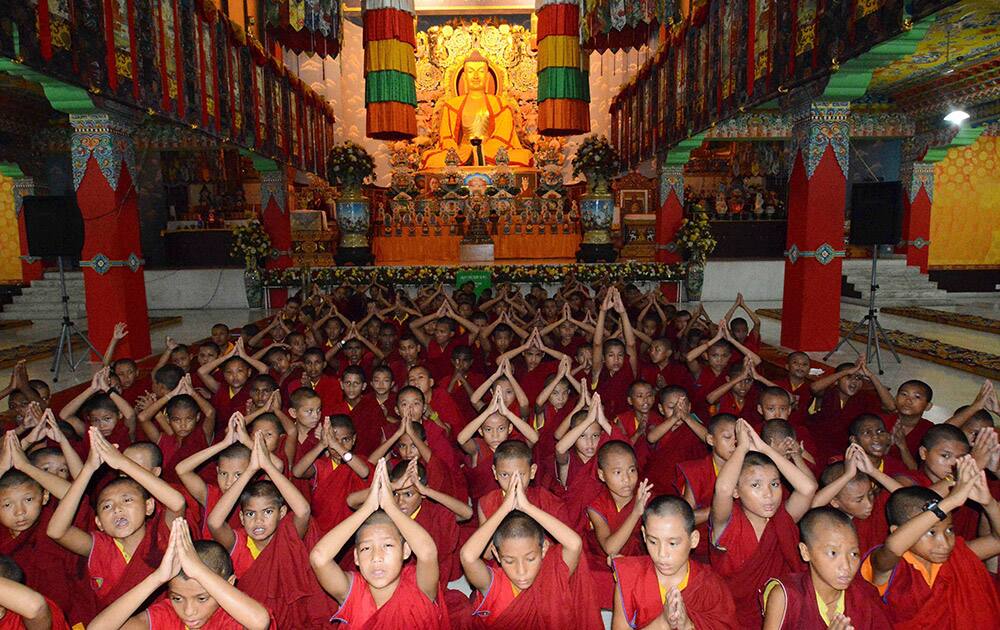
{"x":694,"y":280}
{"x":253,"y":282}
{"x":597,"y":209}
{"x":353,"y":220}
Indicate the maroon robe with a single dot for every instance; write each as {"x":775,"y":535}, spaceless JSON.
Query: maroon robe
{"x":226,"y":403}
{"x":407,"y":609}
{"x":441,"y":524}
{"x":861,"y":604}
{"x":13,"y":621}
{"x":829,"y":425}
{"x":603,"y":507}
{"x":707,"y":599}
{"x":613,"y":388}
{"x":678,"y":445}
{"x":746,"y":564}
{"x":538,"y":496}
{"x":332,"y":484}
{"x":699,"y":475}
{"x":110,"y":576}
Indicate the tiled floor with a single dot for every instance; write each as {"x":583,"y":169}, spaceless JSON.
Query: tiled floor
{"x":952,"y":388}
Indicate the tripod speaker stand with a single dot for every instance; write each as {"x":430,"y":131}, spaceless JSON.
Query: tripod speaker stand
{"x":54,"y":228}
{"x":876,"y":219}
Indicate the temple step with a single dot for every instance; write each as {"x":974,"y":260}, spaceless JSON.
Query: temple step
{"x":42,"y":300}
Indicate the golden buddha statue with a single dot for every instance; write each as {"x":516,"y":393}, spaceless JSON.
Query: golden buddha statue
{"x":476,"y":123}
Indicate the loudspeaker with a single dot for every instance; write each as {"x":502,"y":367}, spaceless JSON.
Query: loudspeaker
{"x":876,"y":213}
{"x":54,"y":226}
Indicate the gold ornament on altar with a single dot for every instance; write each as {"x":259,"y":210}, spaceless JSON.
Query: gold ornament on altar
{"x":476,"y":87}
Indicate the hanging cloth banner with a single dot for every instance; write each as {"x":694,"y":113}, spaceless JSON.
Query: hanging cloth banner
{"x":309,"y":26}
{"x":390,"y":69}
{"x":563,"y":70}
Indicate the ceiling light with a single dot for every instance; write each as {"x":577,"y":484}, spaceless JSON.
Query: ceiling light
{"x":956,"y":116}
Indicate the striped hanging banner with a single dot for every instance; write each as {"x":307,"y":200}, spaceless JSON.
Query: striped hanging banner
{"x":390,"y":69}
{"x":563,"y":70}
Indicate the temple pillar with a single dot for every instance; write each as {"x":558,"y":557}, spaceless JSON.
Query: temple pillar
{"x":668,"y":220}
{"x":104,"y":169}
{"x":275,"y":217}
{"x":31,"y":267}
{"x":817,"y":191}
{"x":917,"y":215}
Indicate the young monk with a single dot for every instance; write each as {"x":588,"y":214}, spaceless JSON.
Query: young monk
{"x":494,"y":425}
{"x":189,"y":426}
{"x":615,"y":514}
{"x":614,"y":364}
{"x":796,"y":380}
{"x":536,"y":585}
{"x":22,"y":608}
{"x":200,"y":593}
{"x":680,"y":437}
{"x":314,"y":377}
{"x":928,"y":576}
{"x":667,"y":590}
{"x":827,"y":595}
{"x":696,"y":478}
{"x":385,"y":593}
{"x":636,"y":421}
{"x":576,"y":460}
{"x":868,"y":431}
{"x":334,"y":476}
{"x":269,"y":549}
{"x":753,"y":530}
{"x":231,"y":395}
{"x":513,"y":459}
{"x":127,"y":544}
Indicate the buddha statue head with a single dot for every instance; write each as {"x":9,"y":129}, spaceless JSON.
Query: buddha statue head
{"x":476,"y":75}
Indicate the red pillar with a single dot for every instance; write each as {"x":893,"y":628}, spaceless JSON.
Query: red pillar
{"x":668,"y":220}
{"x":103,"y":157}
{"x":31,"y":267}
{"x":917,"y":219}
{"x":274,"y":196}
{"x":817,"y":192}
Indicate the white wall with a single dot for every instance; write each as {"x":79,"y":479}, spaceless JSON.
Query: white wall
{"x":176,"y":289}
{"x":759,"y":280}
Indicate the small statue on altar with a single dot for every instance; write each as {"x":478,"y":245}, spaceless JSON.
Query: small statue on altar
{"x":721,"y":207}
{"x":758,"y":205}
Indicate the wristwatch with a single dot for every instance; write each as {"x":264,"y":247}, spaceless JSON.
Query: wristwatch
{"x":346,"y":457}
{"x":932,"y":506}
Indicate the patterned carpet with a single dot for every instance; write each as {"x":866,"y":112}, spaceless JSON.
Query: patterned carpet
{"x":972,"y":361}
{"x":46,"y":347}
{"x":958,"y":320}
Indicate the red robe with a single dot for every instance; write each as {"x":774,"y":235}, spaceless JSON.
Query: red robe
{"x":964,"y":520}
{"x":676,"y":446}
{"x":629,"y":423}
{"x":480,"y":477}
{"x":226,"y":403}
{"x":331,"y":486}
{"x":441,"y":524}
{"x":707,"y":599}
{"x":545,"y":447}
{"x":613,"y":389}
{"x":539,"y":497}
{"x":963,"y":596}
{"x":829,"y":425}
{"x":174,"y":452}
{"x":699,"y":475}
{"x":556,"y":599}
{"x":746,"y":564}
{"x":161,"y":616}
{"x":873,"y":530}
{"x":110,"y":576}
{"x":328,"y":388}
{"x":861,"y":604}
{"x":913,"y":438}
{"x":604,"y":507}
{"x":444,"y":406}
{"x":582,"y":488}
{"x":281,"y":579}
{"x":670,"y":374}
{"x":12,"y":621}
{"x":407,"y":609}
{"x":212,"y":495}
{"x":533,"y":381}
{"x":50,"y":569}
{"x":438,"y":360}
{"x":802,"y":393}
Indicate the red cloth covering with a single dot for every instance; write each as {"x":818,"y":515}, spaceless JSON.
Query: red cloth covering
{"x":582,"y":488}
{"x":802,"y":394}
{"x":438,"y":359}
{"x":699,"y":475}
{"x":707,"y":599}
{"x":964,"y":520}
{"x":11,"y":621}
{"x":174,"y":452}
{"x":138,"y":388}
{"x":729,"y":404}
{"x":873,"y":530}
{"x":533,"y":381}
{"x":441,"y":524}
{"x":963,"y":596}
{"x":50,"y":569}
{"x":861,"y":604}
{"x":444,"y":406}
{"x":545,"y":447}
{"x":407,"y":609}
{"x":556,"y":599}
{"x":461,"y":397}
{"x":706,"y":382}
{"x":110,"y":576}
{"x":913,"y":438}
{"x":212,"y":495}
{"x":670,"y":374}
{"x":227,"y":404}
{"x":282,"y":580}
{"x":161,"y":616}
{"x":629,"y":423}
{"x":604,"y":507}
{"x":328,"y":388}
{"x":613,"y":389}
{"x":746,"y":564}
{"x":331,"y":486}
{"x":538,"y":496}
{"x":301,"y":448}
{"x":679,"y":445}
{"x":480,"y":477}
{"x":829,"y":425}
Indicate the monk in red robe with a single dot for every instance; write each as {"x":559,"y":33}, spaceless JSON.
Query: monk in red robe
{"x":198,"y":577}
{"x":753,"y":530}
{"x":667,"y":585}
{"x":928,"y":577}
{"x":191,"y":422}
{"x":385,"y":592}
{"x":841,"y":399}
{"x":614,"y":364}
{"x":637,"y":420}
{"x":231,"y":461}
{"x":481,"y":437}
{"x":23,"y":608}
{"x":129,"y":544}
{"x":678,"y":438}
{"x":828,"y":594}
{"x":513,"y":459}
{"x":232,"y":394}
{"x":534,"y":584}
{"x":269,"y":550}
{"x":327,"y":387}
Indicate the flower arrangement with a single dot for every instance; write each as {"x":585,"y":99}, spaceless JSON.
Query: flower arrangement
{"x":695,"y":236}
{"x":251,"y":243}
{"x":597,"y":160}
{"x":349,"y":165}
{"x":417,"y":275}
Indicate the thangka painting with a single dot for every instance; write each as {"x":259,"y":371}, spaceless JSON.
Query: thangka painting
{"x":871,"y":21}
{"x":761,"y":37}
{"x":807,"y":39}
{"x":663,"y":87}
{"x":732,"y":55}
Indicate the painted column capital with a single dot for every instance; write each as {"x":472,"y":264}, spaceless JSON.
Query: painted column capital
{"x":272,"y":188}
{"x":22,"y":187}
{"x":815,"y":127}
{"x":108,"y":139}
{"x":922,"y":177}
{"x":672,"y":181}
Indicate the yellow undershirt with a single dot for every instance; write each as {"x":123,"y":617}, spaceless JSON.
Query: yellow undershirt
{"x":680,"y":587}
{"x":121,"y":548}
{"x":252,"y":546}
{"x":414,"y":515}
{"x":820,"y":604}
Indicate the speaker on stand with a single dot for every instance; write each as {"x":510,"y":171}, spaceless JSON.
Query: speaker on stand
{"x":54,"y":228}
{"x":876,"y":220}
